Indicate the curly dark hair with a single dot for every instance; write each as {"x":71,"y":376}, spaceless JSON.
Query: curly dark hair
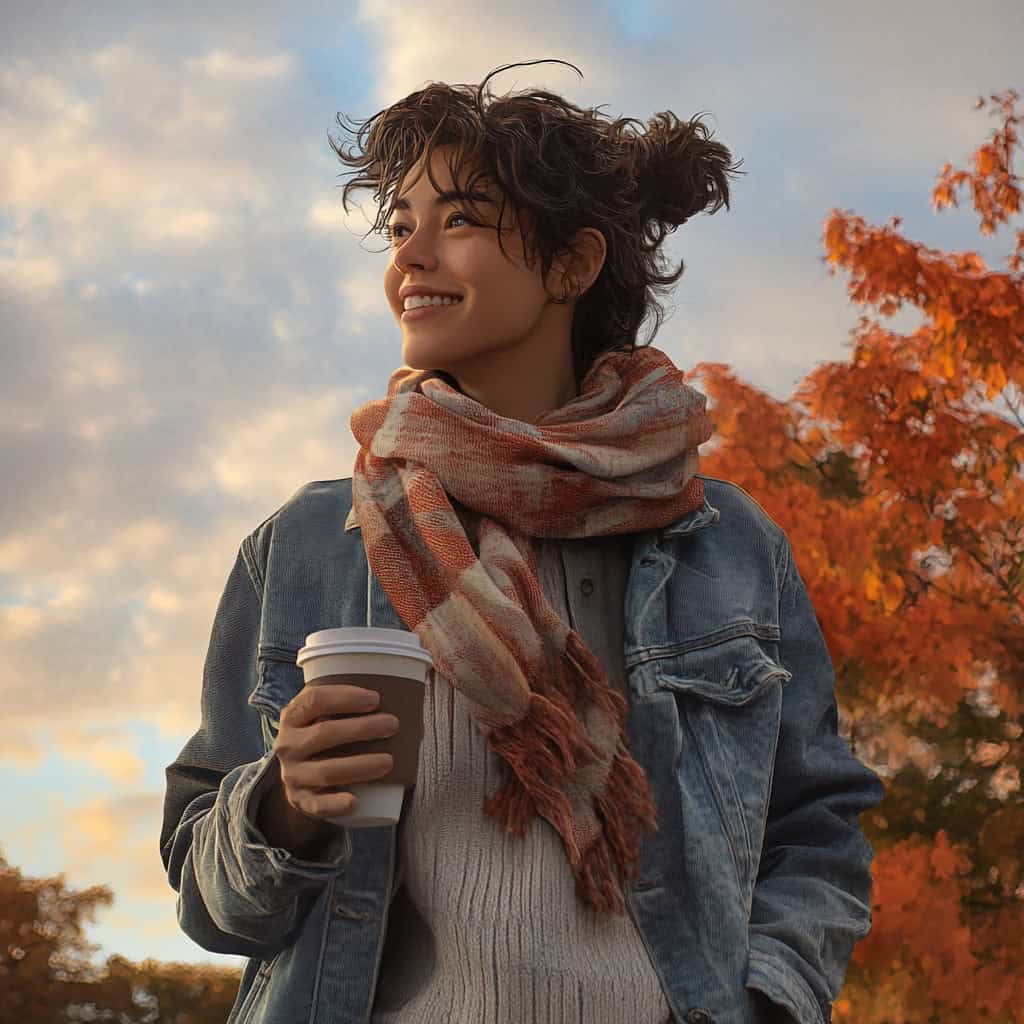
{"x":568,"y":169}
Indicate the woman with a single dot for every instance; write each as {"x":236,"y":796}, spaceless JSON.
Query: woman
{"x":633,"y":707}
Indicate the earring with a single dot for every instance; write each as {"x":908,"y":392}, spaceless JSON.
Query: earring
{"x":565,"y":295}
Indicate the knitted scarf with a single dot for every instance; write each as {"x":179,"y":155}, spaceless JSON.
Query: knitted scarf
{"x":618,"y":458}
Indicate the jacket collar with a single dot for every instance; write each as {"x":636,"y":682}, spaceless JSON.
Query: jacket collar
{"x":690,"y":522}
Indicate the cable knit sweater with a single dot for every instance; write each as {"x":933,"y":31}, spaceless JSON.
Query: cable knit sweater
{"x":486,"y":926}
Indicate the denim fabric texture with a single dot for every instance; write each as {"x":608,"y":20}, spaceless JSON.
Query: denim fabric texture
{"x":751,"y":895}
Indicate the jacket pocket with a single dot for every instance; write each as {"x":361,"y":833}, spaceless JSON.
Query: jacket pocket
{"x":728,"y":691}
{"x":278,"y":680}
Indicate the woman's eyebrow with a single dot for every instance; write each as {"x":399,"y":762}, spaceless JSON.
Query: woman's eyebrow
{"x":447,"y":197}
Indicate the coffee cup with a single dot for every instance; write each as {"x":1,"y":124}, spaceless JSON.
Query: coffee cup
{"x":395,"y":664}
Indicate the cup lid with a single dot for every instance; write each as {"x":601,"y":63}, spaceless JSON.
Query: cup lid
{"x":364,"y":639}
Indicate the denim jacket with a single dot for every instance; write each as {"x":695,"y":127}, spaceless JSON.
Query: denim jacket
{"x":758,"y":878}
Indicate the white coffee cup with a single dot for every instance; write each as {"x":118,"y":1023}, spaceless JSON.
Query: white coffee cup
{"x":395,"y":664}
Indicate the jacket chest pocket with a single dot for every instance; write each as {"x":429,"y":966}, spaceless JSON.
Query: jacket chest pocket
{"x":279,"y":679}
{"x":728,"y":696}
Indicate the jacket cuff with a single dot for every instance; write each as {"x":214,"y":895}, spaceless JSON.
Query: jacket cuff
{"x":765,"y":1010}
{"x":769,"y":972}
{"x":276,"y":865}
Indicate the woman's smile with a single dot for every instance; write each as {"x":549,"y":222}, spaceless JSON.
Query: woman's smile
{"x":421,"y":311}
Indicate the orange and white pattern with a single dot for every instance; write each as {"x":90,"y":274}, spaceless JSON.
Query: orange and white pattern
{"x":620,"y":457}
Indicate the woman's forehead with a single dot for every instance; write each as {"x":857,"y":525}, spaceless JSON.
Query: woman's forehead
{"x":416,"y":176}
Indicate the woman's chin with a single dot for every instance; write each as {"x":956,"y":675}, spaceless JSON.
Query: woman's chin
{"x":422,"y":357}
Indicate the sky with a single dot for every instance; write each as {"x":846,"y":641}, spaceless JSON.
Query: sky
{"x":188,"y":317}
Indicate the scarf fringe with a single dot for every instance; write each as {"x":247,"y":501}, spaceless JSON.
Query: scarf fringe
{"x":626,"y":795}
{"x":526,"y":747}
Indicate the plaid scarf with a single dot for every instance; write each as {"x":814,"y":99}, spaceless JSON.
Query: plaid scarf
{"x":618,"y":458}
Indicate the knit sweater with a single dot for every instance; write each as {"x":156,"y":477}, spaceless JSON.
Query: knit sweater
{"x":486,"y":926}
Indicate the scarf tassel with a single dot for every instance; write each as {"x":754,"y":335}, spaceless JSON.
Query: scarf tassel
{"x":543,"y":747}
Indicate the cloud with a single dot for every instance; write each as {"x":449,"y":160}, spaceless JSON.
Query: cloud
{"x":25,"y":752}
{"x":29,"y":272}
{"x":117,"y":830}
{"x":106,"y":750}
{"x":149,"y":155}
{"x":224,"y":64}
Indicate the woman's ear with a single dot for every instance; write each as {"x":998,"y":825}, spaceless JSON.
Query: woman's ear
{"x":587,"y":256}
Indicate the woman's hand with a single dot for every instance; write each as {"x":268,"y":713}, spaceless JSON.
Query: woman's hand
{"x":321,"y":717}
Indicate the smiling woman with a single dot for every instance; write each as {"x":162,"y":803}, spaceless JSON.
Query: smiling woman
{"x":503,"y":340}
{"x":630,"y":800}
{"x":474,"y":195}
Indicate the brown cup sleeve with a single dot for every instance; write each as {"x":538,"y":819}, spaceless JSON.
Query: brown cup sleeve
{"x":401,"y":697}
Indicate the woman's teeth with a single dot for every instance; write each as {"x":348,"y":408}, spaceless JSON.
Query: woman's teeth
{"x":416,"y":301}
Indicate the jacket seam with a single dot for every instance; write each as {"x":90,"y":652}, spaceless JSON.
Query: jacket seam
{"x":783,"y":556}
{"x":252,"y":567}
{"x":324,"y":939}
{"x":742,"y":490}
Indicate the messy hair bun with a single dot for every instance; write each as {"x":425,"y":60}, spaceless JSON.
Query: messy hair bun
{"x":568,"y":168}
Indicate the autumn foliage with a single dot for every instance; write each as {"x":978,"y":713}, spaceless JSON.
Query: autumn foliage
{"x":897,"y":477}
{"x":47,"y":977}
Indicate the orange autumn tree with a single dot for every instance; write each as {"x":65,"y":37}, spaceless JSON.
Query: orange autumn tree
{"x":897,"y":476}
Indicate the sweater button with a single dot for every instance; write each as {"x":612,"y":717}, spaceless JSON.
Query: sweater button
{"x":699,"y":1016}
{"x":587,"y":586}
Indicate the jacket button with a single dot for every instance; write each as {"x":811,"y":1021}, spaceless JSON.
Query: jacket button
{"x":587,"y":586}
{"x":699,"y":1016}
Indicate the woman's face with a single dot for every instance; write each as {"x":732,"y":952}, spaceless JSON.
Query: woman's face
{"x":506,"y":344}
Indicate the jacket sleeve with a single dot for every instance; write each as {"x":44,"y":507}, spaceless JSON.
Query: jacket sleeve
{"x":236,"y":894}
{"x":812,"y":897}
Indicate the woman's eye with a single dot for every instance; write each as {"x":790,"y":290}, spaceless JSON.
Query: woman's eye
{"x":390,"y":230}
